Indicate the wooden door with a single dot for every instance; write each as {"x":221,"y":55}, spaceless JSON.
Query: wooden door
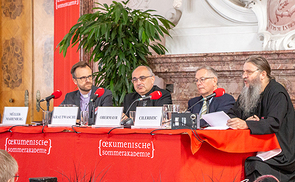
{"x":23,"y":40}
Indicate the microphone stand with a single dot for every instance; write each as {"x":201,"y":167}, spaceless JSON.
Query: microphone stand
{"x":93,"y":113}
{"x":48,"y":104}
{"x":203,"y":99}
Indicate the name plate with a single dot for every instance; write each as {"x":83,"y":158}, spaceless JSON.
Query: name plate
{"x":64,"y":116}
{"x":108,"y":117}
{"x":15,"y":116}
{"x":148,"y":117}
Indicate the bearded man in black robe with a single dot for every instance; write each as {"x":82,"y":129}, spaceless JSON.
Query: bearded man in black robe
{"x":265,"y":107}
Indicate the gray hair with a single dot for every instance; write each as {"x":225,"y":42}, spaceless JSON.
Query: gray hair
{"x":148,"y":68}
{"x":210,"y":70}
{"x":8,"y":166}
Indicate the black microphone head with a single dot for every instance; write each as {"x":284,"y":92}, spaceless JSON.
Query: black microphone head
{"x":127,"y":123}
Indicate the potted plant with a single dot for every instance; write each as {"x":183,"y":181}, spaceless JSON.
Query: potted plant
{"x":119,"y":39}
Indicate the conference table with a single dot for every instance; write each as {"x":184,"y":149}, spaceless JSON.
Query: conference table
{"x":122,"y":154}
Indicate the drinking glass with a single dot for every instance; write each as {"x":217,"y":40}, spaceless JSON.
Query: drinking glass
{"x":132,"y":116}
{"x":46,"y":119}
{"x":168,"y":109}
{"x":84,"y":117}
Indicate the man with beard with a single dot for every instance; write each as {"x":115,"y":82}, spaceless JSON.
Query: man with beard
{"x":82,"y":77}
{"x":265,"y":107}
{"x":143,"y":81}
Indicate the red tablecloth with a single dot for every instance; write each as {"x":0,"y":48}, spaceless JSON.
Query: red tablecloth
{"x":163,"y":155}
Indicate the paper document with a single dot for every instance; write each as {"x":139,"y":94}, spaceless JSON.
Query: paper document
{"x":269,"y":154}
{"x":217,"y":120}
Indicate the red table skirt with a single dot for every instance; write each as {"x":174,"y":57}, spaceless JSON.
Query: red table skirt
{"x":133,"y":154}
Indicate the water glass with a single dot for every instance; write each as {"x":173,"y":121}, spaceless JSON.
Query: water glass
{"x":168,"y":109}
{"x":46,"y":119}
{"x":84,"y":117}
{"x":132,"y":116}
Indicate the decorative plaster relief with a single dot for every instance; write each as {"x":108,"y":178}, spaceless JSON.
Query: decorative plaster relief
{"x":232,"y":11}
{"x":165,"y":8}
{"x":12,"y":9}
{"x":12,"y":62}
{"x":276,"y":23}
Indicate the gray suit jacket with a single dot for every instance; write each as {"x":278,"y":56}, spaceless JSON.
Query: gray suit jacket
{"x":104,"y":100}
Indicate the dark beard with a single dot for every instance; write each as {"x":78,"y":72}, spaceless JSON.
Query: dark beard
{"x":84,"y":90}
{"x":249,"y":97}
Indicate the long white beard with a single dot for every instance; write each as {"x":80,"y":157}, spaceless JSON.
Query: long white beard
{"x":249,"y":97}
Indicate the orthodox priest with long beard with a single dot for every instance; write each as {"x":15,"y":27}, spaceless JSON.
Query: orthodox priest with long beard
{"x":265,"y":107}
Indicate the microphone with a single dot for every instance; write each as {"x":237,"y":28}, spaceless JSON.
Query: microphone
{"x":98,"y":93}
{"x":216,"y":93}
{"x":54,"y":95}
{"x":153,"y":96}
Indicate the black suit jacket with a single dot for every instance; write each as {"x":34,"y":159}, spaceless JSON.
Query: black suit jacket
{"x":222,"y":103}
{"x":129,"y":98}
{"x":74,"y":98}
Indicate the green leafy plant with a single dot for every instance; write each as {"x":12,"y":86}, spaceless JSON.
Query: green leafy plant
{"x":119,"y":39}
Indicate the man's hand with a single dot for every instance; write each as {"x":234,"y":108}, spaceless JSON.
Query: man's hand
{"x":237,"y":123}
{"x":253,"y":118}
{"x":123,"y":116}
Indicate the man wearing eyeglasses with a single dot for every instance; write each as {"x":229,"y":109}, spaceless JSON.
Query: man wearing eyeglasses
{"x":8,"y":167}
{"x":206,"y":79}
{"x":143,"y":81}
{"x":82,"y":77}
{"x":264,"y":107}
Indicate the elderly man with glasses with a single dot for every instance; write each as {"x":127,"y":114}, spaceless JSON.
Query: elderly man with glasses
{"x":82,"y":77}
{"x":143,"y":81}
{"x":206,"y":79}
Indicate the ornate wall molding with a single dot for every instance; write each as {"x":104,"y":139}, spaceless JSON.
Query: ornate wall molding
{"x":276,"y":21}
{"x":165,"y":8}
{"x":12,"y":62}
{"x":232,"y":12}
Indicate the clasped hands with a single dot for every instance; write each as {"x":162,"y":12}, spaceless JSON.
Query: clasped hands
{"x":237,"y":123}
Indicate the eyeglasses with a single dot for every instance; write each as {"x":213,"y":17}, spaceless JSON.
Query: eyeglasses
{"x":84,"y":78}
{"x":16,"y":177}
{"x":248,"y":72}
{"x":203,"y":79}
{"x":141,"y":78}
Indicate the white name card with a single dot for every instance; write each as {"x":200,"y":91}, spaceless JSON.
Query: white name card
{"x":108,"y":117}
{"x":15,"y":116}
{"x":148,"y":117}
{"x":64,"y":116}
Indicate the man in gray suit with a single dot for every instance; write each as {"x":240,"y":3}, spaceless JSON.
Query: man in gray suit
{"x":82,"y":77}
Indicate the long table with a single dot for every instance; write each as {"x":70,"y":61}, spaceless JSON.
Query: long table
{"x":132,"y":154}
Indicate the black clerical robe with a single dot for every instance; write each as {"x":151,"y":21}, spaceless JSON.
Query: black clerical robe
{"x":130,"y":98}
{"x":276,"y":114}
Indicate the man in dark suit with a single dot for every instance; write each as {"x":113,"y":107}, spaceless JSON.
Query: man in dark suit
{"x":206,"y":79}
{"x":82,"y":77}
{"x":143,"y":81}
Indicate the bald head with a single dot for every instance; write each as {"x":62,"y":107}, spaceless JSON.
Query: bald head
{"x":143,"y":79}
